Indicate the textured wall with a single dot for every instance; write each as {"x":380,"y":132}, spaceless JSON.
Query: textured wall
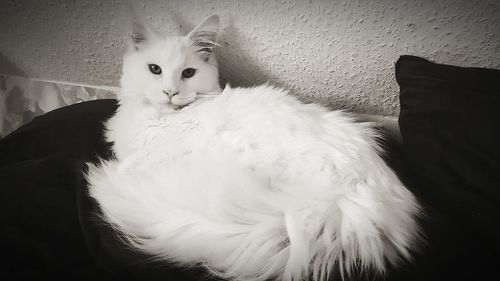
{"x":338,"y":52}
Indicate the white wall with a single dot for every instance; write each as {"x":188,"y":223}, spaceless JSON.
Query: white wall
{"x":337,"y":52}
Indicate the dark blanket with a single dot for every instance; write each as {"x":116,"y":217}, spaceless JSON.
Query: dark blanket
{"x":50,"y":228}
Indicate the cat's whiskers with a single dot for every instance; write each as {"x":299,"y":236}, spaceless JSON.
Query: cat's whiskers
{"x":208,"y":94}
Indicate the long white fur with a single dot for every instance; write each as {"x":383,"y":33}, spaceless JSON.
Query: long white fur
{"x":249,"y":182}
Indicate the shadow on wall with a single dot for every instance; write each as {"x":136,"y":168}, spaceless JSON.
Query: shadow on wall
{"x":234,"y":62}
{"x":6,"y":103}
{"x":8,"y":67}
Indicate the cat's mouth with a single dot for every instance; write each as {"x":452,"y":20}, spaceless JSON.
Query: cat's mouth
{"x":178,"y":105}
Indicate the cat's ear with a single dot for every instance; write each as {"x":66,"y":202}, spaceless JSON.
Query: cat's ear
{"x":204,"y":37}
{"x":141,"y":33}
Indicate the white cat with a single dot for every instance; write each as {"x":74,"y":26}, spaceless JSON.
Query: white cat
{"x":249,"y":182}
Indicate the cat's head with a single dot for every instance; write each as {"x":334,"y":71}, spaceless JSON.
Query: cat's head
{"x":170,"y":72}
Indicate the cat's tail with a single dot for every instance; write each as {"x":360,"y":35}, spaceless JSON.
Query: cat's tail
{"x":360,"y":232}
{"x":236,"y":242}
{"x":257,"y":234}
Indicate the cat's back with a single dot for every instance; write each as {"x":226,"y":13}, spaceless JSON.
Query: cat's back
{"x":258,"y":110}
{"x":268,"y":114}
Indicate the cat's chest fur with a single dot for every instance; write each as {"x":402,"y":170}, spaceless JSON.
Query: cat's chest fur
{"x":255,"y":127}
{"x":138,"y":129}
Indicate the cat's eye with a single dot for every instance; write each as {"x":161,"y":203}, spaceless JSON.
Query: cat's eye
{"x":155,"y":69}
{"x":188,"y":72}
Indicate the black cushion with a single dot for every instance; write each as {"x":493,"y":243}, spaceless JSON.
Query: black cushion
{"x":451,"y":136}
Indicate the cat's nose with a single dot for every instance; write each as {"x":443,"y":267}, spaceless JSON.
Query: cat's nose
{"x":170,"y":93}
